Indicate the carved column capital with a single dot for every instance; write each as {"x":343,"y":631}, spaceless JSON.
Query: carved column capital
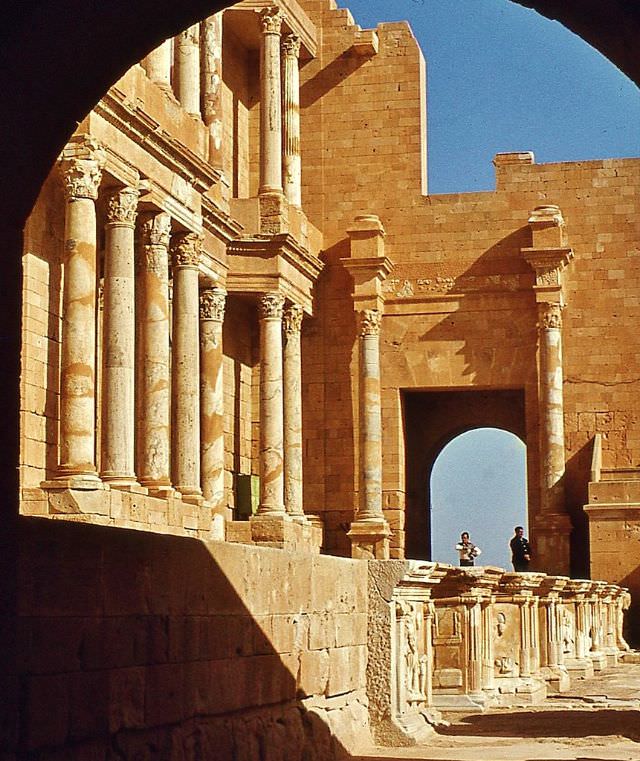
{"x":122,"y":206}
{"x":212,"y":304}
{"x":271,"y":306}
{"x":291,"y":46}
{"x":550,"y":316}
{"x":186,"y":250}
{"x":292,"y":319}
{"x":271,"y":20}
{"x":81,"y":177}
{"x":370,"y":321}
{"x":155,"y":229}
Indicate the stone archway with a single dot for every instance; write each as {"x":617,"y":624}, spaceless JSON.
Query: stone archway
{"x":449,"y":413}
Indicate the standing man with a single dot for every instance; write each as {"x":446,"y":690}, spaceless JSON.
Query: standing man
{"x":520,"y":550}
{"x":467,"y":551}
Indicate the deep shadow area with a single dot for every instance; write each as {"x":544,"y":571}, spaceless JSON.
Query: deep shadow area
{"x":141,"y":646}
{"x":552,"y":724}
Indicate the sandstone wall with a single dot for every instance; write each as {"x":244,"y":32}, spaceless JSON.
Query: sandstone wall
{"x":153,"y":647}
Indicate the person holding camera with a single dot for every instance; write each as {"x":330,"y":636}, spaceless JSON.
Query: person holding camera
{"x":467,"y":551}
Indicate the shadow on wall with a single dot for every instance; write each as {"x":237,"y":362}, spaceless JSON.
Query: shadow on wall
{"x":140,"y":646}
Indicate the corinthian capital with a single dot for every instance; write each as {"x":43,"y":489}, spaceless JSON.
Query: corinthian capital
{"x":370,"y":320}
{"x":155,"y":229}
{"x":291,"y":46}
{"x":186,"y":250}
{"x":212,"y":302}
{"x":271,"y":305}
{"x":122,"y":206}
{"x":550,"y":316}
{"x":271,"y":20}
{"x":81,"y":177}
{"x":292,"y":319}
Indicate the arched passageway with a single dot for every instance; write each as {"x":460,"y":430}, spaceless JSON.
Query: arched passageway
{"x":478,"y":484}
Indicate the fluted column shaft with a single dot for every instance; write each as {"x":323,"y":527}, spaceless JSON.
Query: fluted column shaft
{"x":154,"y":392}
{"x":185,"y":428}
{"x":157,"y":64}
{"x":292,"y":369}
{"x":212,"y":303}
{"x":187,"y":62}
{"x":475,"y":647}
{"x":211,"y":83}
{"x":119,"y":328}
{"x":292,"y":168}
{"x":270,"y":106}
{"x":271,"y":406}
{"x":551,"y":408}
{"x":81,"y":179}
{"x":370,"y":417}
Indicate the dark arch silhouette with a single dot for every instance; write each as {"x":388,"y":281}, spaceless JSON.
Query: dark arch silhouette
{"x":57,"y":57}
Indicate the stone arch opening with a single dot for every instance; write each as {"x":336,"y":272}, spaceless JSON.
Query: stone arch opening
{"x":432,"y":419}
{"x":478,"y":484}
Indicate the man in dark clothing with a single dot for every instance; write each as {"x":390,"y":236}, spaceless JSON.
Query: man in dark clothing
{"x":520,"y":550}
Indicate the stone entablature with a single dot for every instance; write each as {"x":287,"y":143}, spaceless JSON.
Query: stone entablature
{"x":464,"y":639}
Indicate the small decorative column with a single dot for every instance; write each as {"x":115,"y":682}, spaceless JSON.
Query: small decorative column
{"x":292,"y":169}
{"x":475,"y":664}
{"x":292,"y":376}
{"x":212,"y":303}
{"x":550,"y":627}
{"x":369,"y":533}
{"x":157,"y":64}
{"x":185,"y":452}
{"x":119,"y":330}
{"x":81,"y":166}
{"x":187,"y":62}
{"x":271,"y":407}
{"x":578,"y":663}
{"x":154,"y":386}
{"x":549,"y":256}
{"x":211,"y":83}
{"x":270,"y":106}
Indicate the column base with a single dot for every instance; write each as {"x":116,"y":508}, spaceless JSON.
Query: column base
{"x":551,"y":543}
{"x":124,"y":484}
{"x":283,"y":532}
{"x":161,"y":491}
{"x":191,"y":499}
{"x":79,"y":481}
{"x":370,"y":539}
{"x":556,"y":677}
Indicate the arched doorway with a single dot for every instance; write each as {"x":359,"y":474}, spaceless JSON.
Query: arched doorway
{"x":478,"y":484}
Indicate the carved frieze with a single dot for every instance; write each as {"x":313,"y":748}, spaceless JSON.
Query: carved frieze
{"x":186,"y":250}
{"x":271,"y":305}
{"x":212,"y":304}
{"x":122,"y":206}
{"x":370,"y":321}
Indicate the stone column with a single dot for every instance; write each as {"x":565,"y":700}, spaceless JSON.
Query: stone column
{"x":212,"y":303}
{"x":475,"y":667}
{"x":185,"y":451}
{"x":157,"y":64}
{"x":551,"y":407}
{"x":370,"y":517}
{"x":270,"y":106}
{"x":292,"y":376}
{"x":211,"y":83}
{"x":81,"y":168}
{"x":271,"y":406}
{"x":292,"y":169}
{"x":154,"y":384}
{"x":187,"y":63}
{"x":119,"y":330}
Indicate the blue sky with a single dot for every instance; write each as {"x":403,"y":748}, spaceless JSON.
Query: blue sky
{"x":502,"y":78}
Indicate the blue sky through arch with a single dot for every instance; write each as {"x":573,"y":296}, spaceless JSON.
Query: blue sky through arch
{"x":478,"y":484}
{"x":504,"y":78}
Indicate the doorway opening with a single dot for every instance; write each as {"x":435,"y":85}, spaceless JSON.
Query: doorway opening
{"x":432,"y":421}
{"x":479,"y":485}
